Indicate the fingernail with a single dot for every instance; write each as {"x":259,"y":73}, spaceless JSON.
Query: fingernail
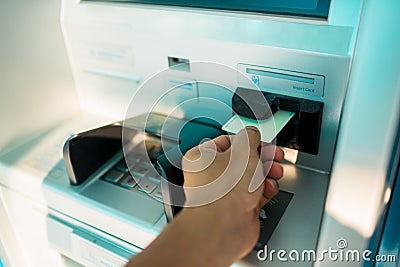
{"x":281,"y":169}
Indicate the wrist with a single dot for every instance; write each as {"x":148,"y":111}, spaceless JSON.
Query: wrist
{"x":214,"y":231}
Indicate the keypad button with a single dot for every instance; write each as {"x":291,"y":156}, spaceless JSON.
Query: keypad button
{"x":137,"y":158}
{"x":157,"y":192}
{"x":113,"y":176}
{"x":132,"y":160}
{"x":155,"y":178}
{"x":128,"y":182}
{"x":148,"y":164}
{"x":147,"y":186}
{"x":140,"y":170}
{"x":122,"y":167}
{"x":143,"y":158}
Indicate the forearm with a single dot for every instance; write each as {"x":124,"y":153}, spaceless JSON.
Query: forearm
{"x":189,"y":241}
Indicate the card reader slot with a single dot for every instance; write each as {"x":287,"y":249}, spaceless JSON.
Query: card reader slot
{"x":283,"y":76}
{"x":301,"y":132}
{"x":293,"y":81}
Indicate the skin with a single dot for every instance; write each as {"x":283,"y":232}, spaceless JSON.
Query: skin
{"x":224,"y":231}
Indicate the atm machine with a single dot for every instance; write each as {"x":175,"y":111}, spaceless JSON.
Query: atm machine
{"x":302,"y":56}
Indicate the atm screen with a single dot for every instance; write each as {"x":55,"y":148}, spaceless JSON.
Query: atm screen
{"x":305,"y":8}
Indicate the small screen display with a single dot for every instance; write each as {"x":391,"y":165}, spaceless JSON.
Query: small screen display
{"x":305,"y":8}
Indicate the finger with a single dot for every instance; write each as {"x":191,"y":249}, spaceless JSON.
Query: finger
{"x":279,"y":154}
{"x":270,"y":152}
{"x":271,"y":188}
{"x":197,"y":159}
{"x":257,"y":178}
{"x":245,"y":158}
{"x":263,"y":202}
{"x":220,"y":143}
{"x":273,"y":170}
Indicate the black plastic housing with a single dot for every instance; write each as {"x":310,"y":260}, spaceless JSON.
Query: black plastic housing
{"x":301,"y":133}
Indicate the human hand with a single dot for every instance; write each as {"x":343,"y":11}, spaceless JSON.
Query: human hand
{"x":233,"y":220}
{"x":225,"y":230}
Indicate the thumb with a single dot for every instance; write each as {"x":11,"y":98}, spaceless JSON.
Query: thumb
{"x":244,"y":152}
{"x":247,"y":141}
